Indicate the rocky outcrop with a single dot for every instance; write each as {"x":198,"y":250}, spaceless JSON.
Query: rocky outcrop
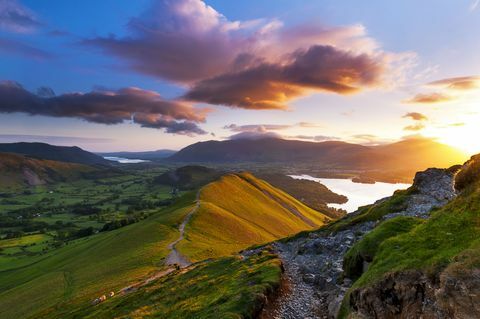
{"x":431,"y":188}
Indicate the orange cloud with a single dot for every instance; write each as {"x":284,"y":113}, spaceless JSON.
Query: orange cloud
{"x":414,"y":127}
{"x":463,"y":83}
{"x":429,"y":98}
{"x":416,"y":116}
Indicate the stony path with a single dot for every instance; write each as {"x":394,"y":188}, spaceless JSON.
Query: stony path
{"x":175,"y":257}
{"x":313,"y":267}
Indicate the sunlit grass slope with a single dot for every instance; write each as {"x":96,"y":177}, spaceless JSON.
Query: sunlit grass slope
{"x":225,"y":288}
{"x":238,"y":211}
{"x":84,"y":269}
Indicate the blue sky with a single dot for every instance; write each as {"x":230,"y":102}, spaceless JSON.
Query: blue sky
{"x":91,"y":46}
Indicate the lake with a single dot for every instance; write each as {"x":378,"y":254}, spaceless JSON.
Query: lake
{"x":358,"y":194}
{"x":124,"y":160}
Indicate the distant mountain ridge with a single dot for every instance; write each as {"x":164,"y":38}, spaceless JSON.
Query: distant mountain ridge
{"x":68,"y":154}
{"x":409,"y":155}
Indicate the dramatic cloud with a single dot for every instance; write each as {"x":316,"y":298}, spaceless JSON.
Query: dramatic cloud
{"x":270,"y":86}
{"x":182,"y":40}
{"x":429,"y":98}
{"x":17,"y":48}
{"x":16,"y":18}
{"x":459,"y":83}
{"x":416,"y":116}
{"x":414,"y":127}
{"x":247,"y":64}
{"x":146,"y":108}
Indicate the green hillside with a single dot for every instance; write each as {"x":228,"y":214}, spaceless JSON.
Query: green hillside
{"x":84,"y":269}
{"x":240,"y":210}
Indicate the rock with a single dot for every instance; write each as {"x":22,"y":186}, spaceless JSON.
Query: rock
{"x":309,"y":278}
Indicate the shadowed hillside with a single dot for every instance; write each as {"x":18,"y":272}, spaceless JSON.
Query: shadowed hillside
{"x":72,"y":154}
{"x":17,"y":171}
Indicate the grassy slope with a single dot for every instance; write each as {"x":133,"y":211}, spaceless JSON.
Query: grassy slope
{"x":240,"y":210}
{"x":431,"y":246}
{"x":87,"y":268}
{"x":367,"y":248}
{"x":225,"y":288}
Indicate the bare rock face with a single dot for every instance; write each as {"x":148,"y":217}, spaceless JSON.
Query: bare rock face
{"x":411,"y":294}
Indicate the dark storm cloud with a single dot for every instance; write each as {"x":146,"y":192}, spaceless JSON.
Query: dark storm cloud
{"x":146,"y":108}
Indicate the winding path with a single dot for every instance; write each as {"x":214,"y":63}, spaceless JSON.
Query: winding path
{"x":175,"y":257}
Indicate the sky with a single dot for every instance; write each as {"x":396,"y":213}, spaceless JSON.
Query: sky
{"x":144,"y":75}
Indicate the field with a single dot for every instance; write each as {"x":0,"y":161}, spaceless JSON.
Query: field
{"x":67,"y":211}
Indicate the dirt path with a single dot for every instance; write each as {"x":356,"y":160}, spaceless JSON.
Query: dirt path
{"x":175,"y":257}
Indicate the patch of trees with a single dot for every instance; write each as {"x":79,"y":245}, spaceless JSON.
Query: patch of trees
{"x":119,"y":223}
{"x":85,"y":210}
{"x":137,"y":204}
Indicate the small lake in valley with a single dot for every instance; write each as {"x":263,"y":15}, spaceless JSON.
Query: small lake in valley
{"x":124,"y":160}
{"x":358,"y":194}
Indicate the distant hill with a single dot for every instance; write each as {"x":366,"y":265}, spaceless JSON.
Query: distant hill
{"x":240,"y":210}
{"x":269,"y":150}
{"x":45,"y":151}
{"x":188,"y":177}
{"x":148,"y":155}
{"x":17,"y":171}
{"x":384,"y":162}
